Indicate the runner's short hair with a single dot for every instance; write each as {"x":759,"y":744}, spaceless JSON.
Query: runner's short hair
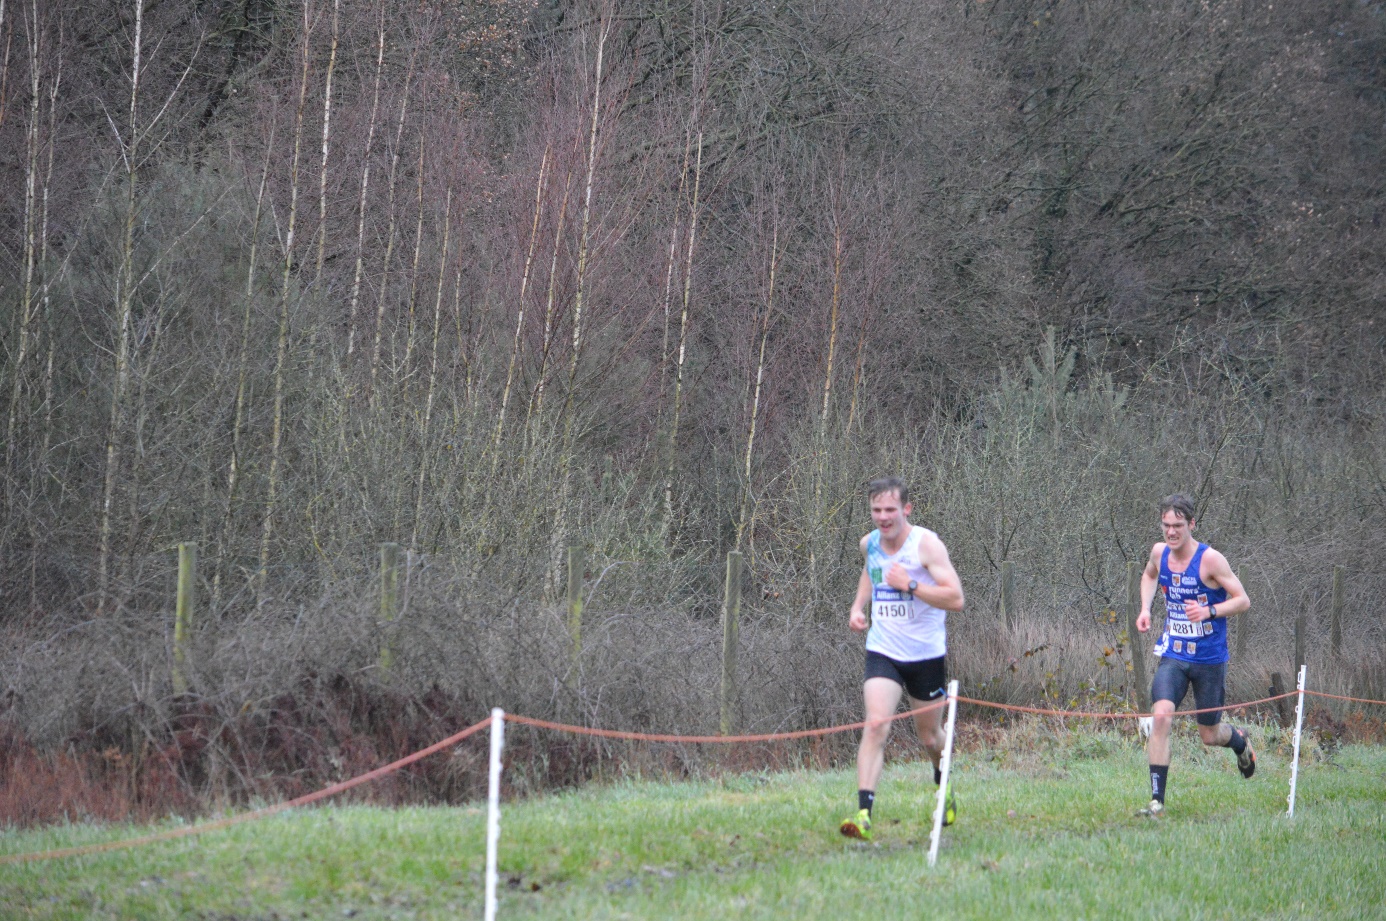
{"x":1179,"y":503}
{"x":889,"y":484}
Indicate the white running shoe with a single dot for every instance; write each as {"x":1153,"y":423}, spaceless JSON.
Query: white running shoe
{"x":1154,"y":810}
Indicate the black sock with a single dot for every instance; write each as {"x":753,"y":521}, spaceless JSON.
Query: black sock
{"x":866,"y":799}
{"x":1159,"y":779}
{"x":1238,"y":742}
{"x":938,"y":775}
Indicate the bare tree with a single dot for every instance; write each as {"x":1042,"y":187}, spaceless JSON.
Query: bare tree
{"x":431,"y":390}
{"x":365,"y":186}
{"x":520,"y":309}
{"x":389,"y":230}
{"x":32,"y":219}
{"x":281,"y":352}
{"x":234,"y":464}
{"x":131,"y":154}
{"x":673,"y":437}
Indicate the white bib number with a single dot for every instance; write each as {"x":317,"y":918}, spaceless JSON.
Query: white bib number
{"x":1185,"y":628}
{"x":890,"y":604}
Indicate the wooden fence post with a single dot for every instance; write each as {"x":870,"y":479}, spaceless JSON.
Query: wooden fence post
{"x":1008,"y":594}
{"x":183,"y":615}
{"x":1277,"y":687}
{"x":731,"y":615}
{"x":1335,"y":617}
{"x":1133,"y":609}
{"x":389,"y":602}
{"x":575,"y":567}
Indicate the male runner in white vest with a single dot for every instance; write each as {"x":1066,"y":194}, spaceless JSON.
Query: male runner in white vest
{"x":910,"y":586}
{"x":1201,"y":592}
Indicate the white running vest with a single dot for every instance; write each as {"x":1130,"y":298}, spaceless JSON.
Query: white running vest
{"x":903,"y":628}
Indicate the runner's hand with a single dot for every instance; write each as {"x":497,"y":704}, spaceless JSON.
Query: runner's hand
{"x":858,"y":621}
{"x":898,"y":577}
{"x":1195,"y":612}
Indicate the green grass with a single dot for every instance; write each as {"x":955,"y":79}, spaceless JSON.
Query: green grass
{"x":1046,"y":830}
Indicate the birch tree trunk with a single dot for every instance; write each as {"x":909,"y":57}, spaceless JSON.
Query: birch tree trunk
{"x":124,"y":308}
{"x":744,"y":513}
{"x":281,"y":352}
{"x":584,"y":243}
{"x":520,"y":313}
{"x":669,"y":276}
{"x":28,"y":303}
{"x":536,"y":400}
{"x":818,"y":504}
{"x":432,"y":376}
{"x":389,"y":233}
{"x":411,"y":324}
{"x":51,"y":339}
{"x":365,"y":185}
{"x":326,"y":141}
{"x":673,"y":441}
{"x":560,"y":537}
{"x":233,"y":471}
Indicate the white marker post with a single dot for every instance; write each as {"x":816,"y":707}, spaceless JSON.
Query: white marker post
{"x":493,"y":810}
{"x":1299,"y":728}
{"x":944,"y":766}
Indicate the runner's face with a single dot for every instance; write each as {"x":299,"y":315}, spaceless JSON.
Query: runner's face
{"x":1176,"y":528}
{"x":888,"y":514}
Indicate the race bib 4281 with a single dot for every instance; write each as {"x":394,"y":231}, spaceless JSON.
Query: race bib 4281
{"x":1184,"y":628}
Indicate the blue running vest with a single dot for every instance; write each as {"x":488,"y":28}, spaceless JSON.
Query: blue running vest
{"x":1183,"y":639}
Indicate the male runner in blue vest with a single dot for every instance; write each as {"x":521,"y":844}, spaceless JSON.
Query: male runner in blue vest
{"x":910,"y":585}
{"x":1201,"y":592}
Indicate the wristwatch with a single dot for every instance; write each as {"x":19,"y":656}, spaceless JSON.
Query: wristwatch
{"x":1212,"y":612}
{"x":913,"y":585}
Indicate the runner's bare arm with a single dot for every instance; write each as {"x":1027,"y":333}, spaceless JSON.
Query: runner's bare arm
{"x":948,"y":593}
{"x":1150,"y":581}
{"x":858,"y":620}
{"x":1217,"y":573}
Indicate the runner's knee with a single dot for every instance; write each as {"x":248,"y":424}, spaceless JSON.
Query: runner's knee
{"x":1212,"y":735}
{"x":876,"y":733}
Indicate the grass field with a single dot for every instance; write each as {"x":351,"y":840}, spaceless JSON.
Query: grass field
{"x":1046,"y":830}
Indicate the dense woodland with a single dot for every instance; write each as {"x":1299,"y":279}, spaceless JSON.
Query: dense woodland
{"x":288,"y":279}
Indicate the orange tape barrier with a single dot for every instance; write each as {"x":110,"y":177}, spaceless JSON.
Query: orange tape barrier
{"x":247,"y":816}
{"x":1121,"y":716}
{"x":767,"y":737}
{"x":1356,"y":700}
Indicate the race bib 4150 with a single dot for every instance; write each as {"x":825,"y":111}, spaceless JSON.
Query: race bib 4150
{"x":890,"y":604}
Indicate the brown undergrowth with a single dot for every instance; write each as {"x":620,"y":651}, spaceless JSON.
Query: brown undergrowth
{"x":203,"y":761}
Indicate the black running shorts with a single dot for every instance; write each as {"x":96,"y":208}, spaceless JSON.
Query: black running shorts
{"x":923,"y":680}
{"x":1172,"y":680}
